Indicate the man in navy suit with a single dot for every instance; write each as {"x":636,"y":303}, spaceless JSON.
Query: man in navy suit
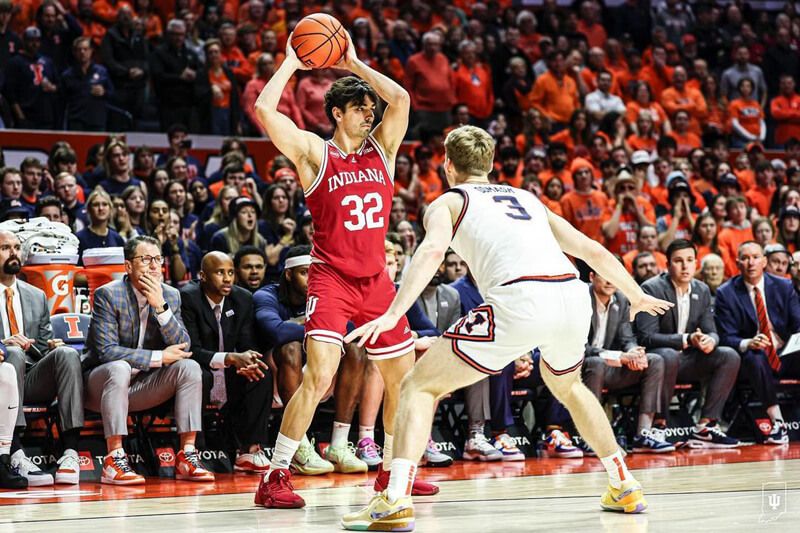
{"x":757,"y":313}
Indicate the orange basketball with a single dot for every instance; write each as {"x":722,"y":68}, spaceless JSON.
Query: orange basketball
{"x":319,"y":40}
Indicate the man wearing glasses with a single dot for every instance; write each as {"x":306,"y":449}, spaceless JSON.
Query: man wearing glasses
{"x":139,"y":358}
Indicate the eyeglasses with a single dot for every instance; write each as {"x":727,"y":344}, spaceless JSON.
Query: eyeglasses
{"x":147,"y":259}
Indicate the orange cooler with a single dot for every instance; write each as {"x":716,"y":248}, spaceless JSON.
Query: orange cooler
{"x":56,"y":280}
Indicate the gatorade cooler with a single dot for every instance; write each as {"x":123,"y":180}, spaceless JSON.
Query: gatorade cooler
{"x":54,"y":274}
{"x":101,"y":266}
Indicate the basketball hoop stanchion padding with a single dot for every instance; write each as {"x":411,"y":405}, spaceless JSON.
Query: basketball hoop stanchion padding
{"x":56,"y":281}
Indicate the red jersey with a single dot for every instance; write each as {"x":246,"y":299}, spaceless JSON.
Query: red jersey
{"x":350,"y":201}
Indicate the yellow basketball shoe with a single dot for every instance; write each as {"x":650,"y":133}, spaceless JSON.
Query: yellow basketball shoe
{"x":626,"y":499}
{"x":380,"y":515}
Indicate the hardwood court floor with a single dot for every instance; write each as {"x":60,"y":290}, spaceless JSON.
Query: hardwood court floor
{"x":689,"y":490}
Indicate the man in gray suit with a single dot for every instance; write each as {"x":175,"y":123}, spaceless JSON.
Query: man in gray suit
{"x":686,"y":338}
{"x":45,"y":368}
{"x":138,"y":359}
{"x":442,"y":306}
{"x":615,"y":360}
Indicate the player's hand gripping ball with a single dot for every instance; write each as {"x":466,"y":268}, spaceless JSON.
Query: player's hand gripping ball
{"x":319,"y":40}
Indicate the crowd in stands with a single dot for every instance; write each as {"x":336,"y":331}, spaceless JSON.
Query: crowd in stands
{"x":667,"y":130}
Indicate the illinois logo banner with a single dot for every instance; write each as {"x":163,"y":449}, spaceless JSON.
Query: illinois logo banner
{"x":477,"y":326}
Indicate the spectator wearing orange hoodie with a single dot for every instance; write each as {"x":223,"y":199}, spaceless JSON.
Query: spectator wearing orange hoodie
{"x":584,"y":206}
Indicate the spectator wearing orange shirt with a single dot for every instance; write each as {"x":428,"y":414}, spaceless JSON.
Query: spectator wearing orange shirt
{"x":431,"y":186}
{"x":578,"y":133}
{"x":510,"y":167}
{"x":684,"y":138}
{"x":557,"y":166}
{"x":584,"y":206}
{"x":534,"y":185}
{"x":589,"y":23}
{"x":387,"y":65}
{"x":528,"y":37}
{"x":704,"y":235}
{"x":265,"y":68}
{"x":646,"y":243}
{"x":473,"y":83}
{"x":310,"y":98}
{"x":658,"y":74}
{"x":717,"y":105}
{"x":760,"y":196}
{"x":268,"y":43}
{"x":643,"y":101}
{"x":224,"y":118}
{"x":746,"y":116}
{"x":554,"y":93}
{"x":737,"y":230}
{"x":92,"y":28}
{"x":679,"y":97}
{"x":645,"y":137}
{"x":785,"y":111}
{"x":106,"y":10}
{"x":429,"y":81}
{"x":596,"y":64}
{"x":232,"y":55}
{"x":789,"y":228}
{"x":153,"y":29}
{"x":625,"y":214}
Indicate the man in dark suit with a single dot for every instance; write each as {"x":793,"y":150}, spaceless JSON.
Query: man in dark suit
{"x":44,"y":367}
{"x":686,"y":338}
{"x":757,"y":313}
{"x":138,"y":359}
{"x":615,"y":360}
{"x":219,"y":319}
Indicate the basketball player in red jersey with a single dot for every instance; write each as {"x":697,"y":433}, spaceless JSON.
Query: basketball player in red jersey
{"x":348,"y":183}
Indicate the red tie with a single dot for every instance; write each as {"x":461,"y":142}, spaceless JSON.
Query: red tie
{"x":763,"y":326}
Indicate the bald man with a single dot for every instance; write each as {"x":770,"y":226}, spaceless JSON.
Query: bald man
{"x":219,"y":318}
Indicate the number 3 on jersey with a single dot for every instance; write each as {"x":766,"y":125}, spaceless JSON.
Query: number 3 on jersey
{"x":364,"y":211}
{"x":517,"y":211}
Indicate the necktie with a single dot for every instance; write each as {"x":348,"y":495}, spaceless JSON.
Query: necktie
{"x":13,"y":327}
{"x":218,"y":393}
{"x":763,"y":327}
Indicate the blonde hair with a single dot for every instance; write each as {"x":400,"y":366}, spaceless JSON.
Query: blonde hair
{"x":470,"y":149}
{"x":98,"y":192}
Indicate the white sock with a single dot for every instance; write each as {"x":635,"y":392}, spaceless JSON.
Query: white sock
{"x":340,"y":433}
{"x":119,"y":452}
{"x":617,"y":471}
{"x":401,"y":480}
{"x":8,"y":413}
{"x":476,"y":427}
{"x":774,"y":412}
{"x":645,"y":421}
{"x":188,"y":448}
{"x":285,"y":449}
{"x":387,"y":452}
{"x":366,"y":432}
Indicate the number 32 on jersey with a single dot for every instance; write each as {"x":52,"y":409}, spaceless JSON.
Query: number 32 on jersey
{"x":363,"y":211}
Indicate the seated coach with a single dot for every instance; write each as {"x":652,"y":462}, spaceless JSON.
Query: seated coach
{"x":757,"y":313}
{"x":219,"y":319}
{"x":686,"y":338}
{"x":614,"y":359}
{"x":138,"y":359}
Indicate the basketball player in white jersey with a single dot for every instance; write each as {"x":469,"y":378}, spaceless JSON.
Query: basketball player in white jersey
{"x":515,"y":249}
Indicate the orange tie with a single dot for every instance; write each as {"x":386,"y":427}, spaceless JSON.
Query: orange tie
{"x":12,"y":318}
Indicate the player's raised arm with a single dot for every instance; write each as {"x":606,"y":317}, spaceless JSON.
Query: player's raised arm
{"x":595,"y":254}
{"x":392,"y":129}
{"x":294,"y":143}
{"x":427,"y":259}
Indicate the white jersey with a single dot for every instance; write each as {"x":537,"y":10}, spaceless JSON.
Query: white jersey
{"x":503,"y":235}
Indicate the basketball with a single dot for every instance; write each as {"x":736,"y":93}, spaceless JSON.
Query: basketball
{"x":319,"y":40}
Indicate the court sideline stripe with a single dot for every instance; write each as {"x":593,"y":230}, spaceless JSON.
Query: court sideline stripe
{"x":649,"y":495}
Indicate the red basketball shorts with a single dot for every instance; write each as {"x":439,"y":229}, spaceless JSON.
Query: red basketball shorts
{"x":335,"y":298}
